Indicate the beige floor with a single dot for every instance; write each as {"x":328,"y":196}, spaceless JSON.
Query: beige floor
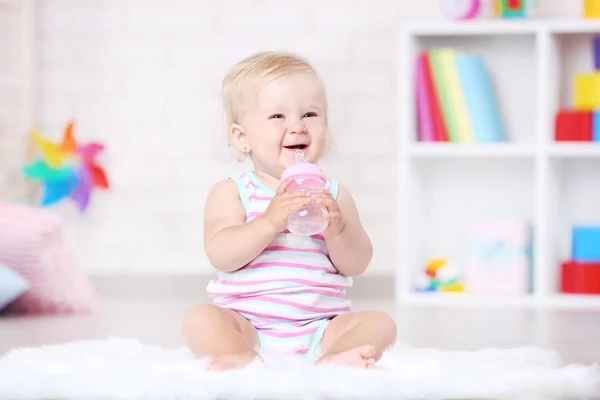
{"x":574,"y":334}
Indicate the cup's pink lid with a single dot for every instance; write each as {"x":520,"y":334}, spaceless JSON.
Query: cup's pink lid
{"x":303,"y":169}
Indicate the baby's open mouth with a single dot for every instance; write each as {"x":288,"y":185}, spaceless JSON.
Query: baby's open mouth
{"x":296,"y":147}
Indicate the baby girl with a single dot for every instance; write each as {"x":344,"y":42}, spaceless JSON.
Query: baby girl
{"x":277,"y":292}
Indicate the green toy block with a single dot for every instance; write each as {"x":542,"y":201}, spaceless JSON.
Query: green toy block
{"x":514,"y":8}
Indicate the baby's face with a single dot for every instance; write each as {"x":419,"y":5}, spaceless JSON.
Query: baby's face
{"x":288,"y":114}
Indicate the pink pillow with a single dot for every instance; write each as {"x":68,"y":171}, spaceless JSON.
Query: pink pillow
{"x":32,"y":244}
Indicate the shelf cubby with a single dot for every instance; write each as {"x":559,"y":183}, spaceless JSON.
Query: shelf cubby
{"x":448,"y":194}
{"x":510,"y":60}
{"x":573,"y":199}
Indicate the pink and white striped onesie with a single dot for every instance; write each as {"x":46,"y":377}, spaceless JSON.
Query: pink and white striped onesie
{"x":290,"y":291}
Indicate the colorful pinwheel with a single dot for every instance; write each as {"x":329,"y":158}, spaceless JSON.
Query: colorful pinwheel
{"x":67,"y":169}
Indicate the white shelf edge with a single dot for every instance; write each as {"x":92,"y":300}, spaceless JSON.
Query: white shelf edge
{"x":441,"y":299}
{"x":468,"y":150}
{"x":508,"y":150}
{"x":574,"y":26}
{"x":574,"y":150}
{"x":580,"y":301}
{"x":542,"y":171}
{"x":478,"y":27}
{"x":405,"y":109}
{"x":502,"y":27}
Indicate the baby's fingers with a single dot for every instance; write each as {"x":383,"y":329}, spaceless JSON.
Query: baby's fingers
{"x":325,"y":200}
{"x":295,"y":203}
{"x":295,"y":195}
{"x":283,"y":186}
{"x":332,"y":216}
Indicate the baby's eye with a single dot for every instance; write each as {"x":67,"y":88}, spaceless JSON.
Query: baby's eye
{"x":276,"y":116}
{"x":310,"y":114}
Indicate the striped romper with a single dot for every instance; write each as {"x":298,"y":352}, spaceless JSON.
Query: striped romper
{"x":290,"y":291}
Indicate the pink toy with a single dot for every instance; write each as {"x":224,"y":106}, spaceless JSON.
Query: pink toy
{"x":461,"y":9}
{"x":308,"y":177}
{"x":498,"y":257}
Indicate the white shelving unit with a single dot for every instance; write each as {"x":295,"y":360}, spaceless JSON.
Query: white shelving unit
{"x":551,"y":184}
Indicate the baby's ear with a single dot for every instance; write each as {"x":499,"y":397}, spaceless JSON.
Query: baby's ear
{"x":238,"y":138}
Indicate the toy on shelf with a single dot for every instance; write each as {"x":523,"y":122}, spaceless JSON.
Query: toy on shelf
{"x":440,"y":275}
{"x":585,"y":243}
{"x":465,"y":10}
{"x":574,"y":126}
{"x":461,"y":9}
{"x":513,"y":8}
{"x":499,"y":256}
{"x":67,"y":169}
{"x":591,"y":9}
{"x":580,"y":278}
{"x":455,"y":99}
{"x":596,"y":126}
{"x":596,"y":48}
{"x":581,"y":273}
{"x":581,"y":123}
{"x":587,"y":91}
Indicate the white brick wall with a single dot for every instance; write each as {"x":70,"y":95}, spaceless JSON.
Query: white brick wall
{"x":143,"y":77}
{"x":15,"y":95}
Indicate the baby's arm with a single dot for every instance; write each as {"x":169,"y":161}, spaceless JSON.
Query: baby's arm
{"x":350,"y":250}
{"x":229,"y":241}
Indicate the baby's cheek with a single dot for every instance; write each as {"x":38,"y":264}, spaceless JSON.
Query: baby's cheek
{"x":316,"y":124}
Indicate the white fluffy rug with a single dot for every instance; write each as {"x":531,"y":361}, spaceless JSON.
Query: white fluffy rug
{"x":127,"y":369}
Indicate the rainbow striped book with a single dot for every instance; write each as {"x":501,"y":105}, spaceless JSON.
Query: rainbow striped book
{"x":455,"y":98}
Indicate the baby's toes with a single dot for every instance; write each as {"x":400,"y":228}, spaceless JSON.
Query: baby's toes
{"x":367,"y":352}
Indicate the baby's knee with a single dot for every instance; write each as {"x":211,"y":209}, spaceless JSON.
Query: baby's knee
{"x":200,"y":314}
{"x":383,"y":321}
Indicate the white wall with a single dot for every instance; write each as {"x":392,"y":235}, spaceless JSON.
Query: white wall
{"x":143,"y":77}
{"x":16,"y":92}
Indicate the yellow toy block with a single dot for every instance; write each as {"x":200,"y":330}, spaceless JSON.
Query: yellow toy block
{"x":453,"y":287}
{"x":591,"y":9}
{"x":436,"y":263}
{"x":587,"y":91}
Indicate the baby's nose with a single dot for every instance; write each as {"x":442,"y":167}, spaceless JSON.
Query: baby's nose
{"x":298,"y":128}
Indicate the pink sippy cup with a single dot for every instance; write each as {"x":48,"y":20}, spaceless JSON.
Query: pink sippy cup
{"x":307,"y":177}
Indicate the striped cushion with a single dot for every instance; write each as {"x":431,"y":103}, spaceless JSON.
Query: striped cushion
{"x":31,"y":243}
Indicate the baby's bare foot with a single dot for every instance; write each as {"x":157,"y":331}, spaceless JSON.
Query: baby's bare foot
{"x":231,"y":361}
{"x":363,"y":357}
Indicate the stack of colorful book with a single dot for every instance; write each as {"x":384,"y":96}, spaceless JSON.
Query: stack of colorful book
{"x":455,"y":99}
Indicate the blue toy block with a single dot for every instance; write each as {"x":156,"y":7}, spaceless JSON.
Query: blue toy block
{"x":596,"y":126}
{"x":586,"y":243}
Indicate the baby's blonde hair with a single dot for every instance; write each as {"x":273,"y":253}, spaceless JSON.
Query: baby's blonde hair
{"x":257,"y":69}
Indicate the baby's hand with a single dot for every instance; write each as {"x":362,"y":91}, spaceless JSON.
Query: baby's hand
{"x":283,"y":204}
{"x":334,"y":215}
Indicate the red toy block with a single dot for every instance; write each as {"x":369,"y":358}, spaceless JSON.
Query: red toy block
{"x":514,"y":5}
{"x":574,"y":126}
{"x":582,"y":278}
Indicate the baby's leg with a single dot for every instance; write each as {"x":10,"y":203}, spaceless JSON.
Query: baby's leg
{"x":222,"y":334}
{"x":358,"y":338}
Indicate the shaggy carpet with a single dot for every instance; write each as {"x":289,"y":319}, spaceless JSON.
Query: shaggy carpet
{"x":125,"y":369}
